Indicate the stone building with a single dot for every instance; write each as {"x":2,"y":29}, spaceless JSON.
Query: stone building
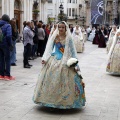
{"x":26,"y":10}
{"x":112,"y":12}
{"x":75,"y":10}
{"x":22,"y":10}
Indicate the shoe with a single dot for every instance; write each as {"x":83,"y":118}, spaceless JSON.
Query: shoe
{"x":13,"y":64}
{"x":1,"y":77}
{"x":9,"y":78}
{"x":30,"y":65}
{"x":27,"y":66}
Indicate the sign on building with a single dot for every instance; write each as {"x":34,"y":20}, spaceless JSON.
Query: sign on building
{"x":97,"y":9}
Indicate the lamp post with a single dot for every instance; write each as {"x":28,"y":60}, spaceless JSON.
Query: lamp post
{"x":35,"y":9}
{"x":61,"y":15}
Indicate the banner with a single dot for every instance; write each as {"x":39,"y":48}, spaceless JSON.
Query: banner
{"x":97,"y":9}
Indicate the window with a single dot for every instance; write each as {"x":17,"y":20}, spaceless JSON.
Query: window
{"x":73,"y":11}
{"x":69,"y":1}
{"x":69,"y":11}
{"x":73,"y":1}
{"x":49,"y":1}
{"x":50,"y":12}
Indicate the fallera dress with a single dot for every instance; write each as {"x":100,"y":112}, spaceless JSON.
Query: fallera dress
{"x":59,"y":86}
{"x":110,"y":41}
{"x":79,"y":41}
{"x":114,"y":61}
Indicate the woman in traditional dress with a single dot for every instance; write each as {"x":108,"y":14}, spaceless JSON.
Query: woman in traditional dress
{"x":96,"y":38}
{"x":103,"y":36}
{"x":92,"y":34}
{"x":84,"y":34}
{"x":110,"y":40}
{"x":59,"y":86}
{"x":113,"y":65}
{"x":78,"y":39}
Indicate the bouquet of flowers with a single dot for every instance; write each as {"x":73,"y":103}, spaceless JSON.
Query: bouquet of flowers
{"x":106,"y":36}
{"x":72,"y":62}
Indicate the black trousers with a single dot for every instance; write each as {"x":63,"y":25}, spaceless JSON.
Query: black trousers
{"x":41,"y":47}
{"x":26,"y":54}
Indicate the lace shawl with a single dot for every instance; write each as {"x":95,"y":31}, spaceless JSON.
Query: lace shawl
{"x":80,"y":33}
{"x":69,"y":51}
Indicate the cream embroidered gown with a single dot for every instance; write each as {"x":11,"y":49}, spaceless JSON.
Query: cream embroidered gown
{"x":110,"y":41}
{"x":79,"y":42}
{"x":59,"y":86}
{"x":114,"y":62}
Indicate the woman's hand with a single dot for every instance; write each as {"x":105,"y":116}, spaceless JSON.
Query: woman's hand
{"x":43,"y":62}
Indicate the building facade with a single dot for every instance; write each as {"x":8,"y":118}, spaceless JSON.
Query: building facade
{"x":22,"y":10}
{"x":75,"y":10}
{"x":45,"y":10}
{"x":111,"y":13}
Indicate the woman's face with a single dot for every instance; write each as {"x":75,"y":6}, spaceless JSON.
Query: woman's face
{"x":114,"y":28}
{"x":61,"y":28}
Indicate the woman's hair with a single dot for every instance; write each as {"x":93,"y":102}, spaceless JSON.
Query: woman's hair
{"x":47,"y":25}
{"x":24,"y":23}
{"x":39,"y":25}
{"x":13,"y":25}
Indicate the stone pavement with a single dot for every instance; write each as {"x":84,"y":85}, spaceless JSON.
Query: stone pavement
{"x":102,"y":91}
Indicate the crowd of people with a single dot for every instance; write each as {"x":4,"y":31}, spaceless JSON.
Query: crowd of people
{"x":60,"y":83}
{"x":109,"y":38}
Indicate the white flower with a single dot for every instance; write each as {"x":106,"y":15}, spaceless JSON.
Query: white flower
{"x":106,"y":36}
{"x":72,"y":62}
{"x":79,"y":73}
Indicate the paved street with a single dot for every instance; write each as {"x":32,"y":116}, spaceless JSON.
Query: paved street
{"x":102,"y":91}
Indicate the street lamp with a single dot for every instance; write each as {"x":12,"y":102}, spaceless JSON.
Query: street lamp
{"x":35,"y":9}
{"x":61,"y":15}
{"x":35,"y":4}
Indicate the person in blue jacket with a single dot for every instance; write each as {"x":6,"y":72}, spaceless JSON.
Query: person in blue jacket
{"x":5,"y":48}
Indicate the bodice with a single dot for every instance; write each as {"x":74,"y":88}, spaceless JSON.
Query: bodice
{"x":112,"y":34}
{"x":56,"y":50}
{"x":77,"y":32}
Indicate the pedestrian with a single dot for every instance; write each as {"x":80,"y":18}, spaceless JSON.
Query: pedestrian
{"x":88,"y":30}
{"x":14,"y":38}
{"x":59,"y":86}
{"x":41,"y":37}
{"x":96,"y":39}
{"x":28,"y":42}
{"x":78,"y":39}
{"x":102,"y":37}
{"x":5,"y":47}
{"x":113,"y":65}
{"x":110,"y":40}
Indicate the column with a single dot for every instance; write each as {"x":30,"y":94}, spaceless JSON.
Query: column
{"x":30,"y":9}
{"x":11,"y":10}
{"x":39,"y":8}
{"x":88,"y":15}
{"x":25,"y":11}
{"x":3,"y":7}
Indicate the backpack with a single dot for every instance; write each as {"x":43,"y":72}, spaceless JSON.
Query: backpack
{"x":1,"y":34}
